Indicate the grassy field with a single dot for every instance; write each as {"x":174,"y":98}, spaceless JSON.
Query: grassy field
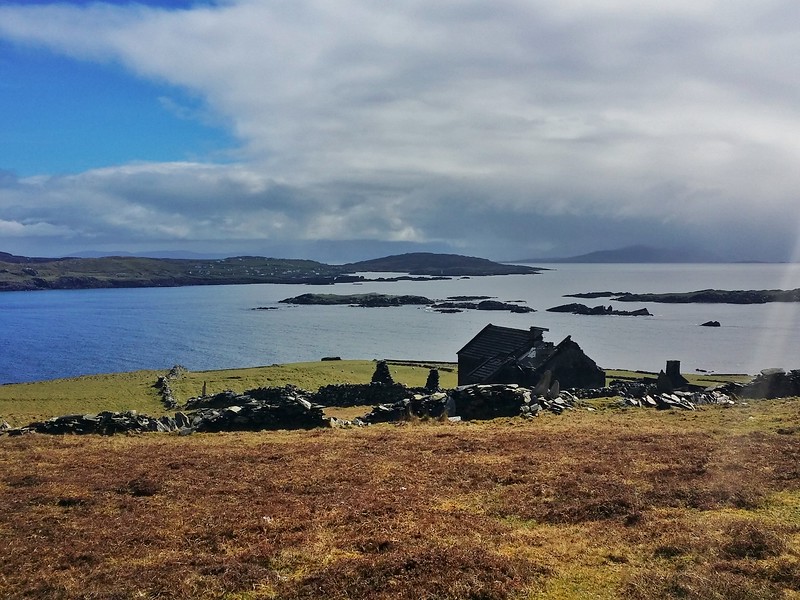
{"x":604,"y":504}
{"x":22,"y":403}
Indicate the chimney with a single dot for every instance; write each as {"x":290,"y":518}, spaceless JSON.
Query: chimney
{"x":674,"y":374}
{"x":673,"y":369}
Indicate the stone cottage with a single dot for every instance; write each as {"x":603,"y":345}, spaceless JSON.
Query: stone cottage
{"x":507,"y":355}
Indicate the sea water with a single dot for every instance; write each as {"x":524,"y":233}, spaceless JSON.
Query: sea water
{"x":52,"y":334}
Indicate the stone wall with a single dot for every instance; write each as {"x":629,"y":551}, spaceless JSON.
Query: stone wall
{"x":773,"y":383}
{"x":363,"y":394}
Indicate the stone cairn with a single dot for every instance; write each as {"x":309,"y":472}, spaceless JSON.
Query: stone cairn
{"x":432,"y":383}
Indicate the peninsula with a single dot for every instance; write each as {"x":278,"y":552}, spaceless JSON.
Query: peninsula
{"x":20,"y":273}
{"x":701,"y":296}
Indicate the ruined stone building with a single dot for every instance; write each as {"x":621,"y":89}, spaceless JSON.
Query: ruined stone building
{"x":507,"y":355}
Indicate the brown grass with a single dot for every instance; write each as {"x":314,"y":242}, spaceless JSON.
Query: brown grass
{"x":614,"y":504}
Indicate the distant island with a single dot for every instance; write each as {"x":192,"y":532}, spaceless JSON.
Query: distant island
{"x":717,"y":297}
{"x":582,"y":309}
{"x":428,"y":263}
{"x":372,"y":300}
{"x":701,"y":296}
{"x":364,"y":300}
{"x":20,"y":273}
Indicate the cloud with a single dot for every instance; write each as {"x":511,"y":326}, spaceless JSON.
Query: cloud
{"x":416,"y":121}
{"x":41,"y":229}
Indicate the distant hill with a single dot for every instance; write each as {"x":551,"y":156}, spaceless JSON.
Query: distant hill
{"x":427,"y":263}
{"x":14,"y":259}
{"x":635,"y":254}
{"x":150,"y":254}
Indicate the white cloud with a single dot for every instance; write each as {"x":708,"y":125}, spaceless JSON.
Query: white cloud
{"x":362,"y":120}
{"x":35,"y":229}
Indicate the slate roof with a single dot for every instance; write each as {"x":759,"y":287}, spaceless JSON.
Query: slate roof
{"x":494,"y":340}
{"x":494,"y":346}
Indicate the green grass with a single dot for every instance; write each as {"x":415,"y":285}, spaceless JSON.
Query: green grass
{"x":25,"y":402}
{"x":22,"y":403}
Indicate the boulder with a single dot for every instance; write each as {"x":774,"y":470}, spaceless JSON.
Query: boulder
{"x":710,"y":324}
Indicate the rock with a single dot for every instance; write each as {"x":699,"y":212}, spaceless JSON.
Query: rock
{"x":497,"y":305}
{"x":543,"y":385}
{"x":181,"y":420}
{"x":450,"y":406}
{"x":710,"y":324}
{"x":384,"y":413}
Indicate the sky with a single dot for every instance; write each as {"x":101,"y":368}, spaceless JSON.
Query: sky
{"x":509,"y":129}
